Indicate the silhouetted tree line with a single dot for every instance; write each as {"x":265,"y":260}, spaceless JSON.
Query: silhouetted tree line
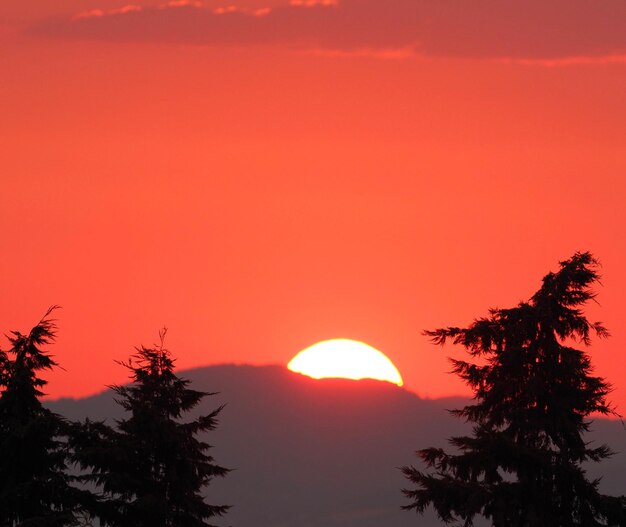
{"x":521,"y":466}
{"x":533,"y":395}
{"x":147,"y":471}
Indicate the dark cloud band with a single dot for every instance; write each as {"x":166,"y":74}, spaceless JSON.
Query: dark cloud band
{"x":514,"y":29}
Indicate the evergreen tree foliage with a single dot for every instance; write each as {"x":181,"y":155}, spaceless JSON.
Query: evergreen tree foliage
{"x":4,"y":370}
{"x":152,"y":467}
{"x":35,"y":489}
{"x":533,"y":395}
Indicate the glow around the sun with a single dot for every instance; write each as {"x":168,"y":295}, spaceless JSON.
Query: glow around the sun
{"x":347,"y":359}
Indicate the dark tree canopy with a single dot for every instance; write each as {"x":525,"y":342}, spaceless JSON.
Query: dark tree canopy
{"x":35,"y":489}
{"x":152,"y":467}
{"x":533,"y":395}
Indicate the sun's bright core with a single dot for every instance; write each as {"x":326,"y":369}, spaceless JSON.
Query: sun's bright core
{"x":347,"y":359}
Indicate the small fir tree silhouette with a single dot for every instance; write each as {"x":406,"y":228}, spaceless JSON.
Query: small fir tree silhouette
{"x":533,"y":394}
{"x":35,"y":489}
{"x":152,"y":468}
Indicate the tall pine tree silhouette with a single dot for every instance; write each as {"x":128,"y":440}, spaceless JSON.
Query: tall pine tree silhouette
{"x":35,"y":489}
{"x":533,"y":395}
{"x":152,"y":468}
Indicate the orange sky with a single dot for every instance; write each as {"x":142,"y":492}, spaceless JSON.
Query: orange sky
{"x":264,"y":190}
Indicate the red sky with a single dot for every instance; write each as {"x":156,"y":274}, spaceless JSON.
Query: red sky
{"x":259,"y":183}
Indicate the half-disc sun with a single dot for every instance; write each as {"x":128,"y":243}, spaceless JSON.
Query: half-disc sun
{"x":347,"y":359}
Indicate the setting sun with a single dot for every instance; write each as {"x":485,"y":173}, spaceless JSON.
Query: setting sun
{"x":347,"y":359}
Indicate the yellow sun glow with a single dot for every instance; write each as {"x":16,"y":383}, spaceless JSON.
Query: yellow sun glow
{"x":347,"y":359}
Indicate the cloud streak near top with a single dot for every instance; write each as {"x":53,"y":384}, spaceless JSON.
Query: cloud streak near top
{"x":492,"y":29}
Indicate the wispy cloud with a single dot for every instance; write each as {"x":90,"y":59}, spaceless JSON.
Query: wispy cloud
{"x":550,"y":31}
{"x":97,"y":13}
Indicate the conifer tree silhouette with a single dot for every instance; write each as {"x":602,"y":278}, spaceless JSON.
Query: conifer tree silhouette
{"x":152,"y":467}
{"x":35,"y":489}
{"x":533,"y":395}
